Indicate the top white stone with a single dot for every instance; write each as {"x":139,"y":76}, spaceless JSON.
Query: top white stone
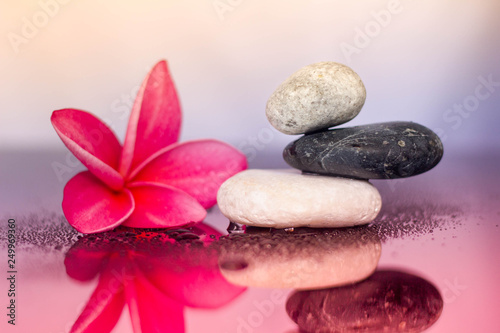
{"x":316,"y":97}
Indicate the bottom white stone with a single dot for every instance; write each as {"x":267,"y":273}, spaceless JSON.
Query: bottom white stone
{"x":287,"y":198}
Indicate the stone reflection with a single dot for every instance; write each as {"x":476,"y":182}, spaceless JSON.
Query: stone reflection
{"x":304,"y":258}
{"x":388,"y":301}
{"x":155,"y":273}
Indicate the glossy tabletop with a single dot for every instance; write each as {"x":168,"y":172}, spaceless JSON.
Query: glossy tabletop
{"x":442,"y":226}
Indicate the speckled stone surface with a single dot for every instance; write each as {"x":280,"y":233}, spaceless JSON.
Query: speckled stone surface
{"x":287,"y":198}
{"x":316,"y":97}
{"x":388,"y":301}
{"x":376,"y":151}
{"x":304,"y":258}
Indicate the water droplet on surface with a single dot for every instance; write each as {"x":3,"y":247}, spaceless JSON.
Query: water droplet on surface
{"x":186,"y":236}
{"x":234,"y":265}
{"x":235,"y":228}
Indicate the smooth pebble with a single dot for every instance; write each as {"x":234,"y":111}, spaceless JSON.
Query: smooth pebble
{"x":287,"y":198}
{"x":376,"y":151}
{"x":316,"y":97}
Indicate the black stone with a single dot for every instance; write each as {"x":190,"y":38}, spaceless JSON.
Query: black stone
{"x":376,"y":151}
{"x":388,"y":301}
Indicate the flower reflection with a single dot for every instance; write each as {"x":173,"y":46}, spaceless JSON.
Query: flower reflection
{"x":388,"y":301}
{"x":156,"y":273}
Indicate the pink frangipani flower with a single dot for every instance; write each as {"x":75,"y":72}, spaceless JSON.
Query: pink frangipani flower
{"x":150,"y":182}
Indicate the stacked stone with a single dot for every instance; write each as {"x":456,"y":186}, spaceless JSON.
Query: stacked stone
{"x":333,"y":189}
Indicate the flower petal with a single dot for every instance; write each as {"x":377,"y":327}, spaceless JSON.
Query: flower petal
{"x":152,"y":311}
{"x":161,"y":206}
{"x":90,"y":206}
{"x":195,"y":167}
{"x":154,"y":121}
{"x":104,"y":306}
{"x":92,"y":142}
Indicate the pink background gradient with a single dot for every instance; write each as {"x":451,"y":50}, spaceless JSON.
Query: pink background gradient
{"x":422,"y":59}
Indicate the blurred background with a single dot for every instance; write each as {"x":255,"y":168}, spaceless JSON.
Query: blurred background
{"x":419,"y":60}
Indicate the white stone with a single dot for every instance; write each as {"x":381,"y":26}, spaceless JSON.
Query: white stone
{"x":318,"y":96}
{"x":287,"y":198}
{"x":302,"y":259}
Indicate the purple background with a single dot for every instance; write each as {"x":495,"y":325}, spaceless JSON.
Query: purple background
{"x":417,"y":59}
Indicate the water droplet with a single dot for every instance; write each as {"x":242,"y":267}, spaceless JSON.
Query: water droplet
{"x":235,"y":228}
{"x":234,"y":265}
{"x":186,"y":236}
